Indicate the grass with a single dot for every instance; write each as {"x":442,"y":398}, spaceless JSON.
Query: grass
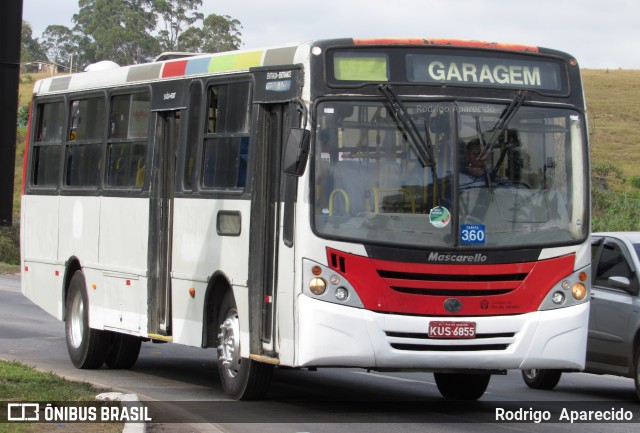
{"x":20,"y":383}
{"x":614,"y":117}
{"x":9,"y":269}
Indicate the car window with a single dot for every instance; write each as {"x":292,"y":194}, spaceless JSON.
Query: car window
{"x":612,"y":263}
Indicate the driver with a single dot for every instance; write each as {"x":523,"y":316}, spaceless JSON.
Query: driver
{"x":474,"y":173}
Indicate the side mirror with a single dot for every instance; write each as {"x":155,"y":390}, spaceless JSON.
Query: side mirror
{"x":296,"y":152}
{"x":619,"y":282}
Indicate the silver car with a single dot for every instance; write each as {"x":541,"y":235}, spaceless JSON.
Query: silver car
{"x":613,"y":346}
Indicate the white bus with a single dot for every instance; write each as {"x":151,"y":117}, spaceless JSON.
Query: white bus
{"x":314,"y":205}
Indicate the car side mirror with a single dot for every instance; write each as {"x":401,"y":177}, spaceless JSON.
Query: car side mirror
{"x":619,"y":282}
{"x":296,"y":152}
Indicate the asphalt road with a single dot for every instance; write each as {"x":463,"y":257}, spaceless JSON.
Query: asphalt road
{"x":180,"y":384}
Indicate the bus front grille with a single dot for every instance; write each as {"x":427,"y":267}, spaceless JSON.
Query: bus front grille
{"x":459,"y":285}
{"x":421,"y":342}
{"x":456,"y":348}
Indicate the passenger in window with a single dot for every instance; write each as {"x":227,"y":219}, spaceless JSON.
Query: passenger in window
{"x":140,"y":173}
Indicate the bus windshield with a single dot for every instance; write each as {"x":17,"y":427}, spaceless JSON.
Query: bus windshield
{"x":517,"y":184}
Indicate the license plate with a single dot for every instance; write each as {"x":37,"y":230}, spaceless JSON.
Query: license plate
{"x":452,"y":329}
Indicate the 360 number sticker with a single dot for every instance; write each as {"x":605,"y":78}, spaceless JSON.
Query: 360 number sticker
{"x":473,"y":234}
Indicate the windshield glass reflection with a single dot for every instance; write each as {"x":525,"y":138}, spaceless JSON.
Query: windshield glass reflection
{"x":370,"y":187}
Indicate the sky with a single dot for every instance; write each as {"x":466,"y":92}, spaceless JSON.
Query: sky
{"x":600,"y":34}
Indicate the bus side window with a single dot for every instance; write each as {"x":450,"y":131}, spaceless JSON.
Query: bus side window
{"x":193,"y":134}
{"x":226,"y":139}
{"x":84,"y":143}
{"x":47,"y":144}
{"x":127,"y":141}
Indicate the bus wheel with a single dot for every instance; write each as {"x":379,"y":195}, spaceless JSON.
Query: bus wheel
{"x":541,"y":379}
{"x":123,"y":352}
{"x":87,"y":347}
{"x":241,"y":378}
{"x":462,"y":386}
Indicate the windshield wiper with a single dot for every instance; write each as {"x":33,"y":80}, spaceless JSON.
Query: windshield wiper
{"x":422,"y":147}
{"x":503,"y":123}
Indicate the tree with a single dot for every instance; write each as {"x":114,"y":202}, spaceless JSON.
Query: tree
{"x":59,"y":43}
{"x":116,"y":30}
{"x":218,"y":33}
{"x":174,"y":16}
{"x":222,"y":33}
{"x":31,"y":50}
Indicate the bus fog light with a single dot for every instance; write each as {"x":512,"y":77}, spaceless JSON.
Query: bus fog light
{"x":558,"y":298}
{"x":566,"y":284}
{"x":318,"y":286}
{"x":579,"y":291}
{"x":342,"y":294}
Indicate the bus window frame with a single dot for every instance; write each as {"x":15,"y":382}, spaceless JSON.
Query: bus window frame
{"x":208,"y":84}
{"x":185,"y":136}
{"x":30,"y":186}
{"x":120,"y":91}
{"x":67,"y":142}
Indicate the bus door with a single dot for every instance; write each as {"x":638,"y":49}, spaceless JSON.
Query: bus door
{"x":165,"y":144}
{"x":268,"y":250}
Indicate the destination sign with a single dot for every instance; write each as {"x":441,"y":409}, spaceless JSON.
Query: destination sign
{"x":484,"y":71}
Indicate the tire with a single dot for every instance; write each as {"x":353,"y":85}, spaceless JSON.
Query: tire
{"x":241,"y":378}
{"x":87,"y":347}
{"x":123,"y":352}
{"x":541,"y":379}
{"x":462,"y":386}
{"x":636,"y":375}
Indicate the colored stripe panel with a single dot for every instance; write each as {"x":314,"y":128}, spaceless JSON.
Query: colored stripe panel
{"x":197,"y":66}
{"x":279,"y":56}
{"x":174,"y":69}
{"x":234,"y":62}
{"x":144,"y":72}
{"x":58,"y":84}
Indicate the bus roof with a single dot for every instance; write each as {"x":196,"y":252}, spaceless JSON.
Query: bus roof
{"x":243,"y":60}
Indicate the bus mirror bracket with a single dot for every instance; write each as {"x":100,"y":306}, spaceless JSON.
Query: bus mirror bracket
{"x":296,"y":152}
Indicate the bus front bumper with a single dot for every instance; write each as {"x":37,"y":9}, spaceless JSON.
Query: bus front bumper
{"x":337,"y":336}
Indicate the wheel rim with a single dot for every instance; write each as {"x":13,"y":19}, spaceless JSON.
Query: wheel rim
{"x":531,"y":374}
{"x":229,"y":348}
{"x":76,"y":320}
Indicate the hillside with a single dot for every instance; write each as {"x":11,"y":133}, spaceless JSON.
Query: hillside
{"x":614,"y":117}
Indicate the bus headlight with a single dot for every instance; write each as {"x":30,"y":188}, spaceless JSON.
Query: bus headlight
{"x":558,"y":298}
{"x":325,"y":284}
{"x":342,"y":294}
{"x":318,"y":286}
{"x":579,"y":291}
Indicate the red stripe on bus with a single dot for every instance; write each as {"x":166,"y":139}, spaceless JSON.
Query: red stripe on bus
{"x":389,"y":41}
{"x":26,"y":149}
{"x":447,"y":42}
{"x":174,"y":69}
